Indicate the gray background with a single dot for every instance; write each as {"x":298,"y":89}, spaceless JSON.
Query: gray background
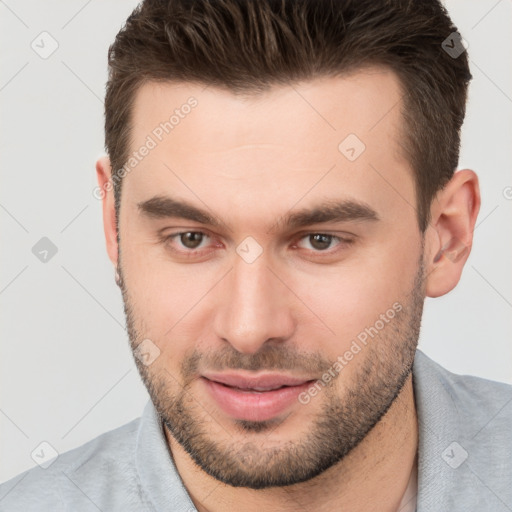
{"x":66,"y":372}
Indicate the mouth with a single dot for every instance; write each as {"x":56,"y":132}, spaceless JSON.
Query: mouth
{"x":254,"y":389}
{"x":264,"y":382}
{"x":255,"y":398}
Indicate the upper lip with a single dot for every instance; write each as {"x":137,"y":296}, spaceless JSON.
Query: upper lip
{"x":261,"y":382}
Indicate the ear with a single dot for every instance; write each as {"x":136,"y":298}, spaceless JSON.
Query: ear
{"x":103,"y":174}
{"x":450,"y":234}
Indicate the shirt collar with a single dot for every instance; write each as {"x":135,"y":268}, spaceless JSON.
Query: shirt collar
{"x":438,"y":428}
{"x":158,"y":474}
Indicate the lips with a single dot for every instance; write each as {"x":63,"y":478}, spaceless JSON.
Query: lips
{"x":261,"y":383}
{"x":252,"y":398}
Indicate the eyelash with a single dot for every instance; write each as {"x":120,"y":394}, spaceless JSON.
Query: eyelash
{"x":166,"y":239}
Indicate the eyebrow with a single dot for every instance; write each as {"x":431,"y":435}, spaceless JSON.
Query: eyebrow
{"x":161,"y":207}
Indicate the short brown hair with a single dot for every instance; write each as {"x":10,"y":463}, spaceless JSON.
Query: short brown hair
{"x":246,"y":46}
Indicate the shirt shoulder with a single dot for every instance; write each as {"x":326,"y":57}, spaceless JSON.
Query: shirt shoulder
{"x":477,"y":402}
{"x":77,"y":477}
{"x":465,"y":441}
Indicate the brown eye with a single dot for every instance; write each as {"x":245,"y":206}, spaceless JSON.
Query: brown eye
{"x":320,"y":241}
{"x":324,"y":244}
{"x":191,"y":239}
{"x":191,"y":246}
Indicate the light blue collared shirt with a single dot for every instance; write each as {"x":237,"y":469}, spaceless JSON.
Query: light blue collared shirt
{"x":464,"y":457}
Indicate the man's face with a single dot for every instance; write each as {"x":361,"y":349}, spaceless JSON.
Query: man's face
{"x":252,"y":295}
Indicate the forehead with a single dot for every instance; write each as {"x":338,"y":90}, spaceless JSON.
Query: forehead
{"x":329,"y":134}
{"x":358,"y":101}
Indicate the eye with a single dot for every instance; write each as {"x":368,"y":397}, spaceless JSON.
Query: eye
{"x":321,"y":242}
{"x":189,"y":240}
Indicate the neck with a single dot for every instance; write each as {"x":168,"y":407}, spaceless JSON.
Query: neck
{"x":373,"y":476}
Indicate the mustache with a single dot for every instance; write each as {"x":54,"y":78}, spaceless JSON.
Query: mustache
{"x":270,"y":357}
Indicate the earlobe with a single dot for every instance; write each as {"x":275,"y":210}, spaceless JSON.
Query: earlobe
{"x":103,"y":174}
{"x":454,"y":214}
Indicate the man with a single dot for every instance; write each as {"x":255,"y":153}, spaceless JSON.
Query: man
{"x":280,"y":197}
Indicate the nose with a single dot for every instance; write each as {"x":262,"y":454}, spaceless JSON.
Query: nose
{"x":253,"y":307}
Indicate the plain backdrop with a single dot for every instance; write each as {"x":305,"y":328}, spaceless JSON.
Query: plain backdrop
{"x":66,"y":371}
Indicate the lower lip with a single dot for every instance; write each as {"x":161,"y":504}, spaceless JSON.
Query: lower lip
{"x":254,"y":405}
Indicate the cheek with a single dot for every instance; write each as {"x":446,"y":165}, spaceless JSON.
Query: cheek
{"x":169,"y":301}
{"x":350,"y":298}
